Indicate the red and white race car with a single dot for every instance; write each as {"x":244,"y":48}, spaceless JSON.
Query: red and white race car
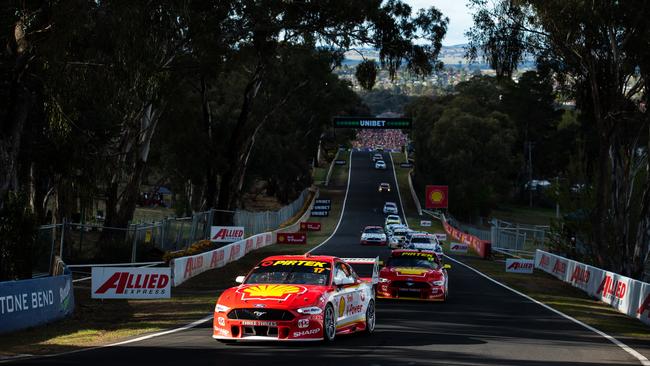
{"x":298,"y":298}
{"x":414,"y":275}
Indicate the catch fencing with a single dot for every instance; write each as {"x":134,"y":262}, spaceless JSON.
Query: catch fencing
{"x":511,"y":236}
{"x":260,"y":222}
{"x":94,"y":243}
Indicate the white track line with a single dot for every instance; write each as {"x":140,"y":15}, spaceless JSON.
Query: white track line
{"x":399,"y":195}
{"x":138,"y":339}
{"x":642,"y":359}
{"x":345,"y":199}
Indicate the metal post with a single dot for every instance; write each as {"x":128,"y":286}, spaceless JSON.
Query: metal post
{"x":61,"y":243}
{"x":134,"y":247}
{"x":53,"y":241}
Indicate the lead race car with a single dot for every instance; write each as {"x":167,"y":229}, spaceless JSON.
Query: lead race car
{"x":298,"y":298}
{"x":414,"y":275}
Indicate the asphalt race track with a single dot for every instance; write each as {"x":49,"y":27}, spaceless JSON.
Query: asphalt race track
{"x":481,"y":324}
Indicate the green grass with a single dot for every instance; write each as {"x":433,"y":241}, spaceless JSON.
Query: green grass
{"x":144,"y":214}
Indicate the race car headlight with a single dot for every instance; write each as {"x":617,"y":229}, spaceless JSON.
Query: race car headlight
{"x":438,"y":283}
{"x":310,"y":310}
{"x":221,"y":308}
{"x":383,"y":280}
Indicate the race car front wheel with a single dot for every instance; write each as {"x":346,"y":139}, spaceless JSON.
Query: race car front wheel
{"x":329,"y":323}
{"x":370,"y":317}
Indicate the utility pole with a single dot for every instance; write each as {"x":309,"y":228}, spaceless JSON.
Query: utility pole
{"x":529,"y":145}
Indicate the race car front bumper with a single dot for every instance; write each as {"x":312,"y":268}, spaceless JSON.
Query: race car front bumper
{"x":302,"y":328}
{"x":418,"y":290}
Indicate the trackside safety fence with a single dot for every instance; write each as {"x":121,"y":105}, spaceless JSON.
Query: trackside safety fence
{"x":626,"y":295}
{"x":184,"y":268}
{"x":260,"y":222}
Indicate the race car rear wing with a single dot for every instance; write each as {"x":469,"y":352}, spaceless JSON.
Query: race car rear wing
{"x":366,"y":261}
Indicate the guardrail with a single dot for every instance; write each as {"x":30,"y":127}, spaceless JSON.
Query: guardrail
{"x":626,"y":295}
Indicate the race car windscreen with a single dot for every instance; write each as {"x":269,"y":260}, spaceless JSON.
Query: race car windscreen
{"x":422,"y":240}
{"x":418,"y":262}
{"x":298,"y":272}
{"x":374,"y":230}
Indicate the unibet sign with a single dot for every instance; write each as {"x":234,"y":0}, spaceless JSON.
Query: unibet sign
{"x":375,"y":123}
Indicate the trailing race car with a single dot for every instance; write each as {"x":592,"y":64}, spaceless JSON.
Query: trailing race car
{"x":424,"y":241}
{"x":373,"y":235}
{"x":380,"y":164}
{"x":390,"y":208}
{"x":384,"y":187}
{"x":415,"y":275}
{"x":297,"y":298}
{"x":392,"y":219}
{"x":397,"y":237}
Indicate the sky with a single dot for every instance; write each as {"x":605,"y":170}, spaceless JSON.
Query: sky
{"x":460,"y":18}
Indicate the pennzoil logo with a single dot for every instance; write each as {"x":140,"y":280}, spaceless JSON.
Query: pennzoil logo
{"x":270,"y":292}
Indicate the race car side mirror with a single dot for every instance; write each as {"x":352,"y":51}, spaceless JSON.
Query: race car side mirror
{"x":446,"y":266}
{"x":240,"y":279}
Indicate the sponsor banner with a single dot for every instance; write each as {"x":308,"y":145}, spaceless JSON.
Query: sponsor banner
{"x":292,"y":238}
{"x":323,"y":201}
{"x":482,"y":247}
{"x":310,"y":226}
{"x":28,"y":303}
{"x":226,"y":234}
{"x":458,"y":247}
{"x":340,"y":162}
{"x":437,"y":196}
{"x":517,"y":265}
{"x":184,"y":268}
{"x":441,"y":236}
{"x":319,"y":213}
{"x":626,"y":295}
{"x":321,"y":207}
{"x":425,"y":223}
{"x":131,"y":283}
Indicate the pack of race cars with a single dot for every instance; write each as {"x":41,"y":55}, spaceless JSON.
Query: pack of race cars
{"x":317,"y":297}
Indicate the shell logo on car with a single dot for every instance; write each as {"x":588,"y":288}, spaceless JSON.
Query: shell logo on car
{"x":411,"y":271}
{"x":270,"y":292}
{"x":342,"y":306}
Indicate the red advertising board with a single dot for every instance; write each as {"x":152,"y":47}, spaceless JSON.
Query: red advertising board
{"x":437,"y":197}
{"x":310,"y":226}
{"x":292,"y":238}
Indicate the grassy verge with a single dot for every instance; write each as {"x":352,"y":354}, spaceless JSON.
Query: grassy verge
{"x":97,"y":322}
{"x":524,"y":214}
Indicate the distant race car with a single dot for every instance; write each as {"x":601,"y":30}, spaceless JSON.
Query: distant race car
{"x":377,"y":157}
{"x":380,"y":164}
{"x":384,"y":187}
{"x":390,"y":208}
{"x":415,"y":275}
{"x":397,"y":239}
{"x":373,"y":235}
{"x":392,"y":219}
{"x":392,"y":227}
{"x":297,"y":298}
{"x":424,"y":241}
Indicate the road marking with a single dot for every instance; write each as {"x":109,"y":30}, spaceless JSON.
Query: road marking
{"x":345,"y":199}
{"x":399,"y":195}
{"x":641,"y":358}
{"x":138,"y":339}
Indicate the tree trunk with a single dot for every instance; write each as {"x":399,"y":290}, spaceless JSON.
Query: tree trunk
{"x":210,"y":173}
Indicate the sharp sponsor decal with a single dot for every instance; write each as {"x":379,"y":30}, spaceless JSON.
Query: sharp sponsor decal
{"x":610,"y":288}
{"x":117,"y":282}
{"x":354,"y":309}
{"x":520,"y":265}
{"x":270,"y":292}
{"x":259,"y":323}
{"x":303,"y":333}
{"x":226,"y":234}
